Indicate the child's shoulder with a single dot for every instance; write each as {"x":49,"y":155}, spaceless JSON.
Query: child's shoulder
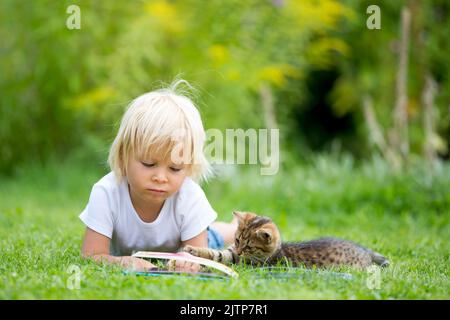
{"x":190,"y":189}
{"x":109,"y":182}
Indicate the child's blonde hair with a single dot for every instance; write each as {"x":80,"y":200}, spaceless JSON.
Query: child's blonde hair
{"x":159,"y":122}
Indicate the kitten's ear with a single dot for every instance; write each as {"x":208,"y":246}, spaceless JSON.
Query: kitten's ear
{"x":239,"y":215}
{"x":264,"y":234}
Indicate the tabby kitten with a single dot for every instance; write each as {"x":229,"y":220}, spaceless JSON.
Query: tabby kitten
{"x":258,"y":242}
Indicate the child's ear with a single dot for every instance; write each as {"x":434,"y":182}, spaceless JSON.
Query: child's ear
{"x":265,"y":235}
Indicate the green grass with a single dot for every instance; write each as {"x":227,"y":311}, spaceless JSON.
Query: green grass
{"x":404,"y":216}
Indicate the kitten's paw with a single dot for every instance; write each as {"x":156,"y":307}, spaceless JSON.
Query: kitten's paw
{"x":196,"y":251}
{"x":192,"y":250}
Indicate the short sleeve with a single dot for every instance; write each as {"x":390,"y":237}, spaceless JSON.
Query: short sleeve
{"x":196,"y":212}
{"x":98,"y":214}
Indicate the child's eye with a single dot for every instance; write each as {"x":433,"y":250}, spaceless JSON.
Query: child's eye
{"x":175,"y":169}
{"x":147,"y":164}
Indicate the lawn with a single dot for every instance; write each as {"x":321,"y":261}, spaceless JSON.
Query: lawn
{"x":403,"y":216}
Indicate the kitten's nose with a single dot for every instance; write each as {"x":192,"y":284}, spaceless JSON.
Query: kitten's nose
{"x":238,"y":251}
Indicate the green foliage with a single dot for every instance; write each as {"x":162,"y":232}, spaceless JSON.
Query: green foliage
{"x":371,"y":66}
{"x":64,"y":90}
{"x":44,"y":67}
{"x":65,"y":87}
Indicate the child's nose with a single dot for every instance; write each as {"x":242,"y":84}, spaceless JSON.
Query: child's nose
{"x":159,"y":177}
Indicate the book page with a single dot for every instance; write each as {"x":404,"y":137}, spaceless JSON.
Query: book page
{"x":189,"y":258}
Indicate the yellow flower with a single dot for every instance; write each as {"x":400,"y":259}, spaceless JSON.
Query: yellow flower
{"x":320,"y":53}
{"x":219,"y":54}
{"x":276,"y":74}
{"x":165,"y":14}
{"x":93,"y":98}
{"x":273,"y":75}
{"x":233,"y":75}
{"x":318,"y":15}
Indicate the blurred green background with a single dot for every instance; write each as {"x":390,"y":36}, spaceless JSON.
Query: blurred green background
{"x":63,"y":91}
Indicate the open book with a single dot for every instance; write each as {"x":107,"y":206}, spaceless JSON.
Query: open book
{"x":205,"y":263}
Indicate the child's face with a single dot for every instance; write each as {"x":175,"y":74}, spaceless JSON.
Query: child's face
{"x":153,"y":180}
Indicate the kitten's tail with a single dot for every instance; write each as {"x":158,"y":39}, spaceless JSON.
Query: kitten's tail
{"x":379,"y":259}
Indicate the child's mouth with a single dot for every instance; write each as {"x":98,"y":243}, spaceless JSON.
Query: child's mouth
{"x":157,"y":191}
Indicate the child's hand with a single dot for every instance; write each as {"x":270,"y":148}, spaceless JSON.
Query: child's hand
{"x":185,"y":266}
{"x":136,"y":264}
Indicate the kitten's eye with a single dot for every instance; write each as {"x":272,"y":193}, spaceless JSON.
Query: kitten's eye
{"x":237,"y":242}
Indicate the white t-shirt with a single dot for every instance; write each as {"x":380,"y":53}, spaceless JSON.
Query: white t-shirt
{"x":110,"y":212}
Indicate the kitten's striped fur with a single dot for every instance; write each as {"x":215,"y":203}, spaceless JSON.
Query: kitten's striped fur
{"x":258,"y":241}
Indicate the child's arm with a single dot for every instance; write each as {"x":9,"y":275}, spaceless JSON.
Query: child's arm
{"x":96,"y":247}
{"x":200,"y":240}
